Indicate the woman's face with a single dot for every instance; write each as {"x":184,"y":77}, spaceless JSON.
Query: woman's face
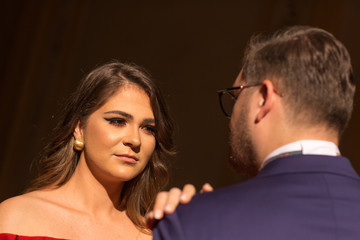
{"x":119,"y":137}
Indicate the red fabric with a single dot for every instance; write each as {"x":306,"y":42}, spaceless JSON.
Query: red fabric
{"x":8,"y":236}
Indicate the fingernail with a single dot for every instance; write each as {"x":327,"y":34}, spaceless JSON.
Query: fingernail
{"x":183,"y":197}
{"x":157,"y":214}
{"x":168,"y":208}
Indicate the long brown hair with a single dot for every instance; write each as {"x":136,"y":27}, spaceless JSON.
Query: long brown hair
{"x":59,"y":160}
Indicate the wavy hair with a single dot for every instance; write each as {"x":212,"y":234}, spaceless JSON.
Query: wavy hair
{"x":58,"y":160}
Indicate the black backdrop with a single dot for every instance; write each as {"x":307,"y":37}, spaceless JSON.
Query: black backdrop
{"x":191,"y":48}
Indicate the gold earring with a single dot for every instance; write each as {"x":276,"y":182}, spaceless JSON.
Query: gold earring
{"x":78,"y":145}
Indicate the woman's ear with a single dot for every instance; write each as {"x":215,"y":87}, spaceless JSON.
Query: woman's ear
{"x":78,"y":132}
{"x":266,"y":99}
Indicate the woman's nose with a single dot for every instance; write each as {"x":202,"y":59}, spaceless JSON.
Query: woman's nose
{"x":132,"y":138}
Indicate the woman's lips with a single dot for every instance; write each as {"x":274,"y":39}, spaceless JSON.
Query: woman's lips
{"x":127,"y":158}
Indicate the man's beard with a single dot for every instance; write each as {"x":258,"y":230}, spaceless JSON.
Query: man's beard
{"x":243,"y":157}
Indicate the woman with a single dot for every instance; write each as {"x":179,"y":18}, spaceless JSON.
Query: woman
{"x":99,"y":175}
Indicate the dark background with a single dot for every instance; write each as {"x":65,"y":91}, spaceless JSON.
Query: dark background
{"x":191,"y":48}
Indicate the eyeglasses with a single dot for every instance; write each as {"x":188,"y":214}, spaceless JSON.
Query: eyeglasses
{"x":227,"y":98}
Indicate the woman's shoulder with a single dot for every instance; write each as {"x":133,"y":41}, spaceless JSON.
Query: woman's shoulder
{"x":37,"y":213}
{"x":15,"y":206}
{"x":20,"y":211}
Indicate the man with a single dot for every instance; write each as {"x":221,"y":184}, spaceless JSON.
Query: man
{"x":293,"y":100}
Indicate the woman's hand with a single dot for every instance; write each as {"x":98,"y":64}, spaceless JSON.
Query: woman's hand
{"x":166,"y":202}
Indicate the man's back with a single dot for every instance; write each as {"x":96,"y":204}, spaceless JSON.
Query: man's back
{"x":297,"y":197}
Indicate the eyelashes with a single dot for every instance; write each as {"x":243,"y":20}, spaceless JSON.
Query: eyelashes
{"x":119,"y":122}
{"x":150,"y":129}
{"x":116,"y":121}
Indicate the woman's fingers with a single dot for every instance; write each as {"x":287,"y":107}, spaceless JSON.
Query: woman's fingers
{"x":187,"y":193}
{"x":167,"y":202}
{"x":207,"y":188}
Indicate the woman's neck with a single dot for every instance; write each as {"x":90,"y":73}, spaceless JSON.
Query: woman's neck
{"x":90,"y":193}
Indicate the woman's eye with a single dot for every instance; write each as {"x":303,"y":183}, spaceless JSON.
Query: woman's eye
{"x":116,"y":121}
{"x":150,"y":129}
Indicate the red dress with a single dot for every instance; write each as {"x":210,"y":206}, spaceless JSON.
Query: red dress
{"x":8,"y":236}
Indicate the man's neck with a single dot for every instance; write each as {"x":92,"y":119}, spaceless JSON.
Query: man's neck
{"x":290,"y":135}
{"x":304,"y":147}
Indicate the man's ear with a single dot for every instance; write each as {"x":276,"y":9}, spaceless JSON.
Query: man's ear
{"x":78,"y":132}
{"x":267,"y":97}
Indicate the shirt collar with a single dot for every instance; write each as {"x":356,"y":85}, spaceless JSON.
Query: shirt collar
{"x":305,"y":147}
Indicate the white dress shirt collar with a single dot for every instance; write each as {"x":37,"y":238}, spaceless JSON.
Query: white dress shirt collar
{"x":306,"y":147}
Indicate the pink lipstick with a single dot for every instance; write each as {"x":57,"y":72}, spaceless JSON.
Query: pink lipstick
{"x":127,"y":158}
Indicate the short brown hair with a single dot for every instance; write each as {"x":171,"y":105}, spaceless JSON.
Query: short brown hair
{"x":59,"y":160}
{"x":310,"y":68}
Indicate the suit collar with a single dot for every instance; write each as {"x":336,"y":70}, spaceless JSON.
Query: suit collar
{"x":308,"y":164}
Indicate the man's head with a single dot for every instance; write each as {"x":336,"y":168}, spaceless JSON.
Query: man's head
{"x":308,"y":72}
{"x":311,"y":69}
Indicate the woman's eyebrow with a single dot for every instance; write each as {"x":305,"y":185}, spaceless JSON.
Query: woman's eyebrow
{"x":149,"y":120}
{"x":124,"y":114}
{"x":129,"y":116}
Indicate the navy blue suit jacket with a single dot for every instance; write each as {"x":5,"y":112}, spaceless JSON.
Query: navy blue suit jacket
{"x":298,"y":197}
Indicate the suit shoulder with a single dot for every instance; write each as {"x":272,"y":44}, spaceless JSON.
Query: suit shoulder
{"x":221,"y":194}
{"x":209,"y":202}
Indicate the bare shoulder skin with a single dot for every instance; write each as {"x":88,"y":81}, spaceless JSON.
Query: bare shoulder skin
{"x":46,"y":213}
{"x":17,"y":210}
